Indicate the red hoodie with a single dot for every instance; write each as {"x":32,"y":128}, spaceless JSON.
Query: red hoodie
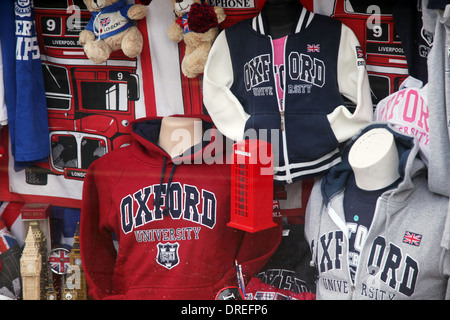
{"x":171,"y":245}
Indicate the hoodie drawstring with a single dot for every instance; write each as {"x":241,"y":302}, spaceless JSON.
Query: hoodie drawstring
{"x":157,"y":202}
{"x":166,"y":210}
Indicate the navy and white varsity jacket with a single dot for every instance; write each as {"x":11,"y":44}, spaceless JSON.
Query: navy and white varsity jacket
{"x":322,"y":61}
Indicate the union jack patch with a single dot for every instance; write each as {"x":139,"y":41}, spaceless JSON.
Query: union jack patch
{"x":105,"y":21}
{"x":359,"y":52}
{"x":313,"y":48}
{"x":412,"y":238}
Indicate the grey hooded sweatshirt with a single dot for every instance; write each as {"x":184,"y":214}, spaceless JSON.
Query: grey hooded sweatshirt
{"x":439,"y":100}
{"x":403,"y":256}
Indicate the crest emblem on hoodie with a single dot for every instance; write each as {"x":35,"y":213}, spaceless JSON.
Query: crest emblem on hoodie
{"x":168,"y":254}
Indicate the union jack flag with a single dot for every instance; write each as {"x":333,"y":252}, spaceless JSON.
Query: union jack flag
{"x":7,"y":240}
{"x":313,"y":48}
{"x":359,"y":52}
{"x":184,"y":23}
{"x":105,"y":21}
{"x":412,"y":238}
{"x":59,"y":261}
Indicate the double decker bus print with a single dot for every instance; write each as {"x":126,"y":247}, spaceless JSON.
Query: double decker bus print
{"x":90,"y":107}
{"x":373,"y":24}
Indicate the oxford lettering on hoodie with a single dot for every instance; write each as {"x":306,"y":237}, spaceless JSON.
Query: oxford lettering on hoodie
{"x":401,"y":255}
{"x":137,"y":210}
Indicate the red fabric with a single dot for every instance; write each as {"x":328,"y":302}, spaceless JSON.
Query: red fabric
{"x":202,"y":18}
{"x":144,"y":2}
{"x":11,"y":213}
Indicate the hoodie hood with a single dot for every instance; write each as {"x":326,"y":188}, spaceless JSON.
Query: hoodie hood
{"x":409,"y":162}
{"x":145,"y":133}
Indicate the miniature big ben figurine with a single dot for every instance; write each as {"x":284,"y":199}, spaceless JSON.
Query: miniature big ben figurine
{"x":30,"y":267}
{"x":50,"y":292}
{"x":78,"y":290}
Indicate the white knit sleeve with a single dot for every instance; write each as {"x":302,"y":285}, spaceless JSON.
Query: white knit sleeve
{"x":224,"y":108}
{"x":353,"y":83}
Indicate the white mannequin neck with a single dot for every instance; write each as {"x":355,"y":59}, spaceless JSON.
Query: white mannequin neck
{"x":374,"y":160}
{"x":178,"y":134}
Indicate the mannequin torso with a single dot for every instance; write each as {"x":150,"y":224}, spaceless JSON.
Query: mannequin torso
{"x":374,"y":160}
{"x":177,"y":134}
{"x":281,"y":16}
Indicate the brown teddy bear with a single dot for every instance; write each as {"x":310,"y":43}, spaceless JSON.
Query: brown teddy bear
{"x":111,"y":28}
{"x":197,"y":23}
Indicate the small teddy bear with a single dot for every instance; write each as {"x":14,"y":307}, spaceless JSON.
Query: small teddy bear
{"x":111,"y":28}
{"x":197,"y":23}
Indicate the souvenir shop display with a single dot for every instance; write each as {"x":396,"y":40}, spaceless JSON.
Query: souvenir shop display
{"x":224,"y":150}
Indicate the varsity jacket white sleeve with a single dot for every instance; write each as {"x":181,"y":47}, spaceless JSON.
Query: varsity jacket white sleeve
{"x":354,"y":85}
{"x":224,"y":108}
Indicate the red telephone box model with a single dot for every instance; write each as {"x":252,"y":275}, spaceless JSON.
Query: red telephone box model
{"x":252,"y":186}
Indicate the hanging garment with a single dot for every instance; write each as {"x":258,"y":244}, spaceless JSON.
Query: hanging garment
{"x":311,"y":119}
{"x":439,"y":103}
{"x":168,"y":216}
{"x":406,"y":233}
{"x":407,"y":110}
{"x":24,"y":85}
